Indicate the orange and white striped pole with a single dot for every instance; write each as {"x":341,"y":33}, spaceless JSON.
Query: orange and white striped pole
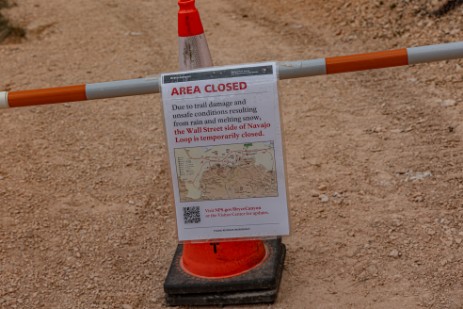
{"x":287,"y":70}
{"x":77,"y":93}
{"x":371,"y":61}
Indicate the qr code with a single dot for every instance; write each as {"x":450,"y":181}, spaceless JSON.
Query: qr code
{"x":191,"y":215}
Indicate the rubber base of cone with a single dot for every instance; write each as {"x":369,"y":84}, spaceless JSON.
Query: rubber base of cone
{"x":259,"y":285}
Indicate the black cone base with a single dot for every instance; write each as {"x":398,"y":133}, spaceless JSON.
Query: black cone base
{"x":257,"y":286}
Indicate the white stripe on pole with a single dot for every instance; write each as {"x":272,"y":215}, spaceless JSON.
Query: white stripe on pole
{"x":304,"y":68}
{"x":4,"y":99}
{"x":122,"y":88}
{"x":435,"y":52}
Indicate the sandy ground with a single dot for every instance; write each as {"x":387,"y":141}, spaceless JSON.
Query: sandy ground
{"x":375,"y":159}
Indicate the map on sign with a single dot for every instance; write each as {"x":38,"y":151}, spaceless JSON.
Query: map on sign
{"x":225,"y":172}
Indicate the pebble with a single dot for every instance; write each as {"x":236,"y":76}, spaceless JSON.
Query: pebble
{"x":395,"y":253}
{"x":324,"y":198}
{"x":418,"y":175}
{"x":295,"y":26}
{"x":448,"y":103}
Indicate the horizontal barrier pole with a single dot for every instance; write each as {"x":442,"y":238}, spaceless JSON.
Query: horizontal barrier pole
{"x":286,"y":70}
{"x":370,"y":61}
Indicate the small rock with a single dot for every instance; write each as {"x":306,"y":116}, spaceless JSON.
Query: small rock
{"x":295,"y":26}
{"x":418,"y":175}
{"x":324,"y":198}
{"x":38,"y":27}
{"x":322,"y":187}
{"x":395,"y":253}
{"x":448,"y":103}
{"x":397,"y":222}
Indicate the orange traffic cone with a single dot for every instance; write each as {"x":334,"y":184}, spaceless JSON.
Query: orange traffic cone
{"x":201,"y":272}
{"x":222,"y":260}
{"x":207,"y":259}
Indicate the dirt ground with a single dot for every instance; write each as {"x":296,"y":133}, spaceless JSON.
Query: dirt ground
{"x":375,"y":159}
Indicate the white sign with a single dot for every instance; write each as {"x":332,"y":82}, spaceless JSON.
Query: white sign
{"x":226,"y":154}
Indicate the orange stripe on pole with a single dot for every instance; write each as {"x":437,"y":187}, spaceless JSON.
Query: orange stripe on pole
{"x":47,"y":96}
{"x":377,"y":60}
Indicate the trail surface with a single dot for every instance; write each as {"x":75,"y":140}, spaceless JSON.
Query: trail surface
{"x":374,"y":159}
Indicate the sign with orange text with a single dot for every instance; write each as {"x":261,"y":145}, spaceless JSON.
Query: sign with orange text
{"x":225,"y":148}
